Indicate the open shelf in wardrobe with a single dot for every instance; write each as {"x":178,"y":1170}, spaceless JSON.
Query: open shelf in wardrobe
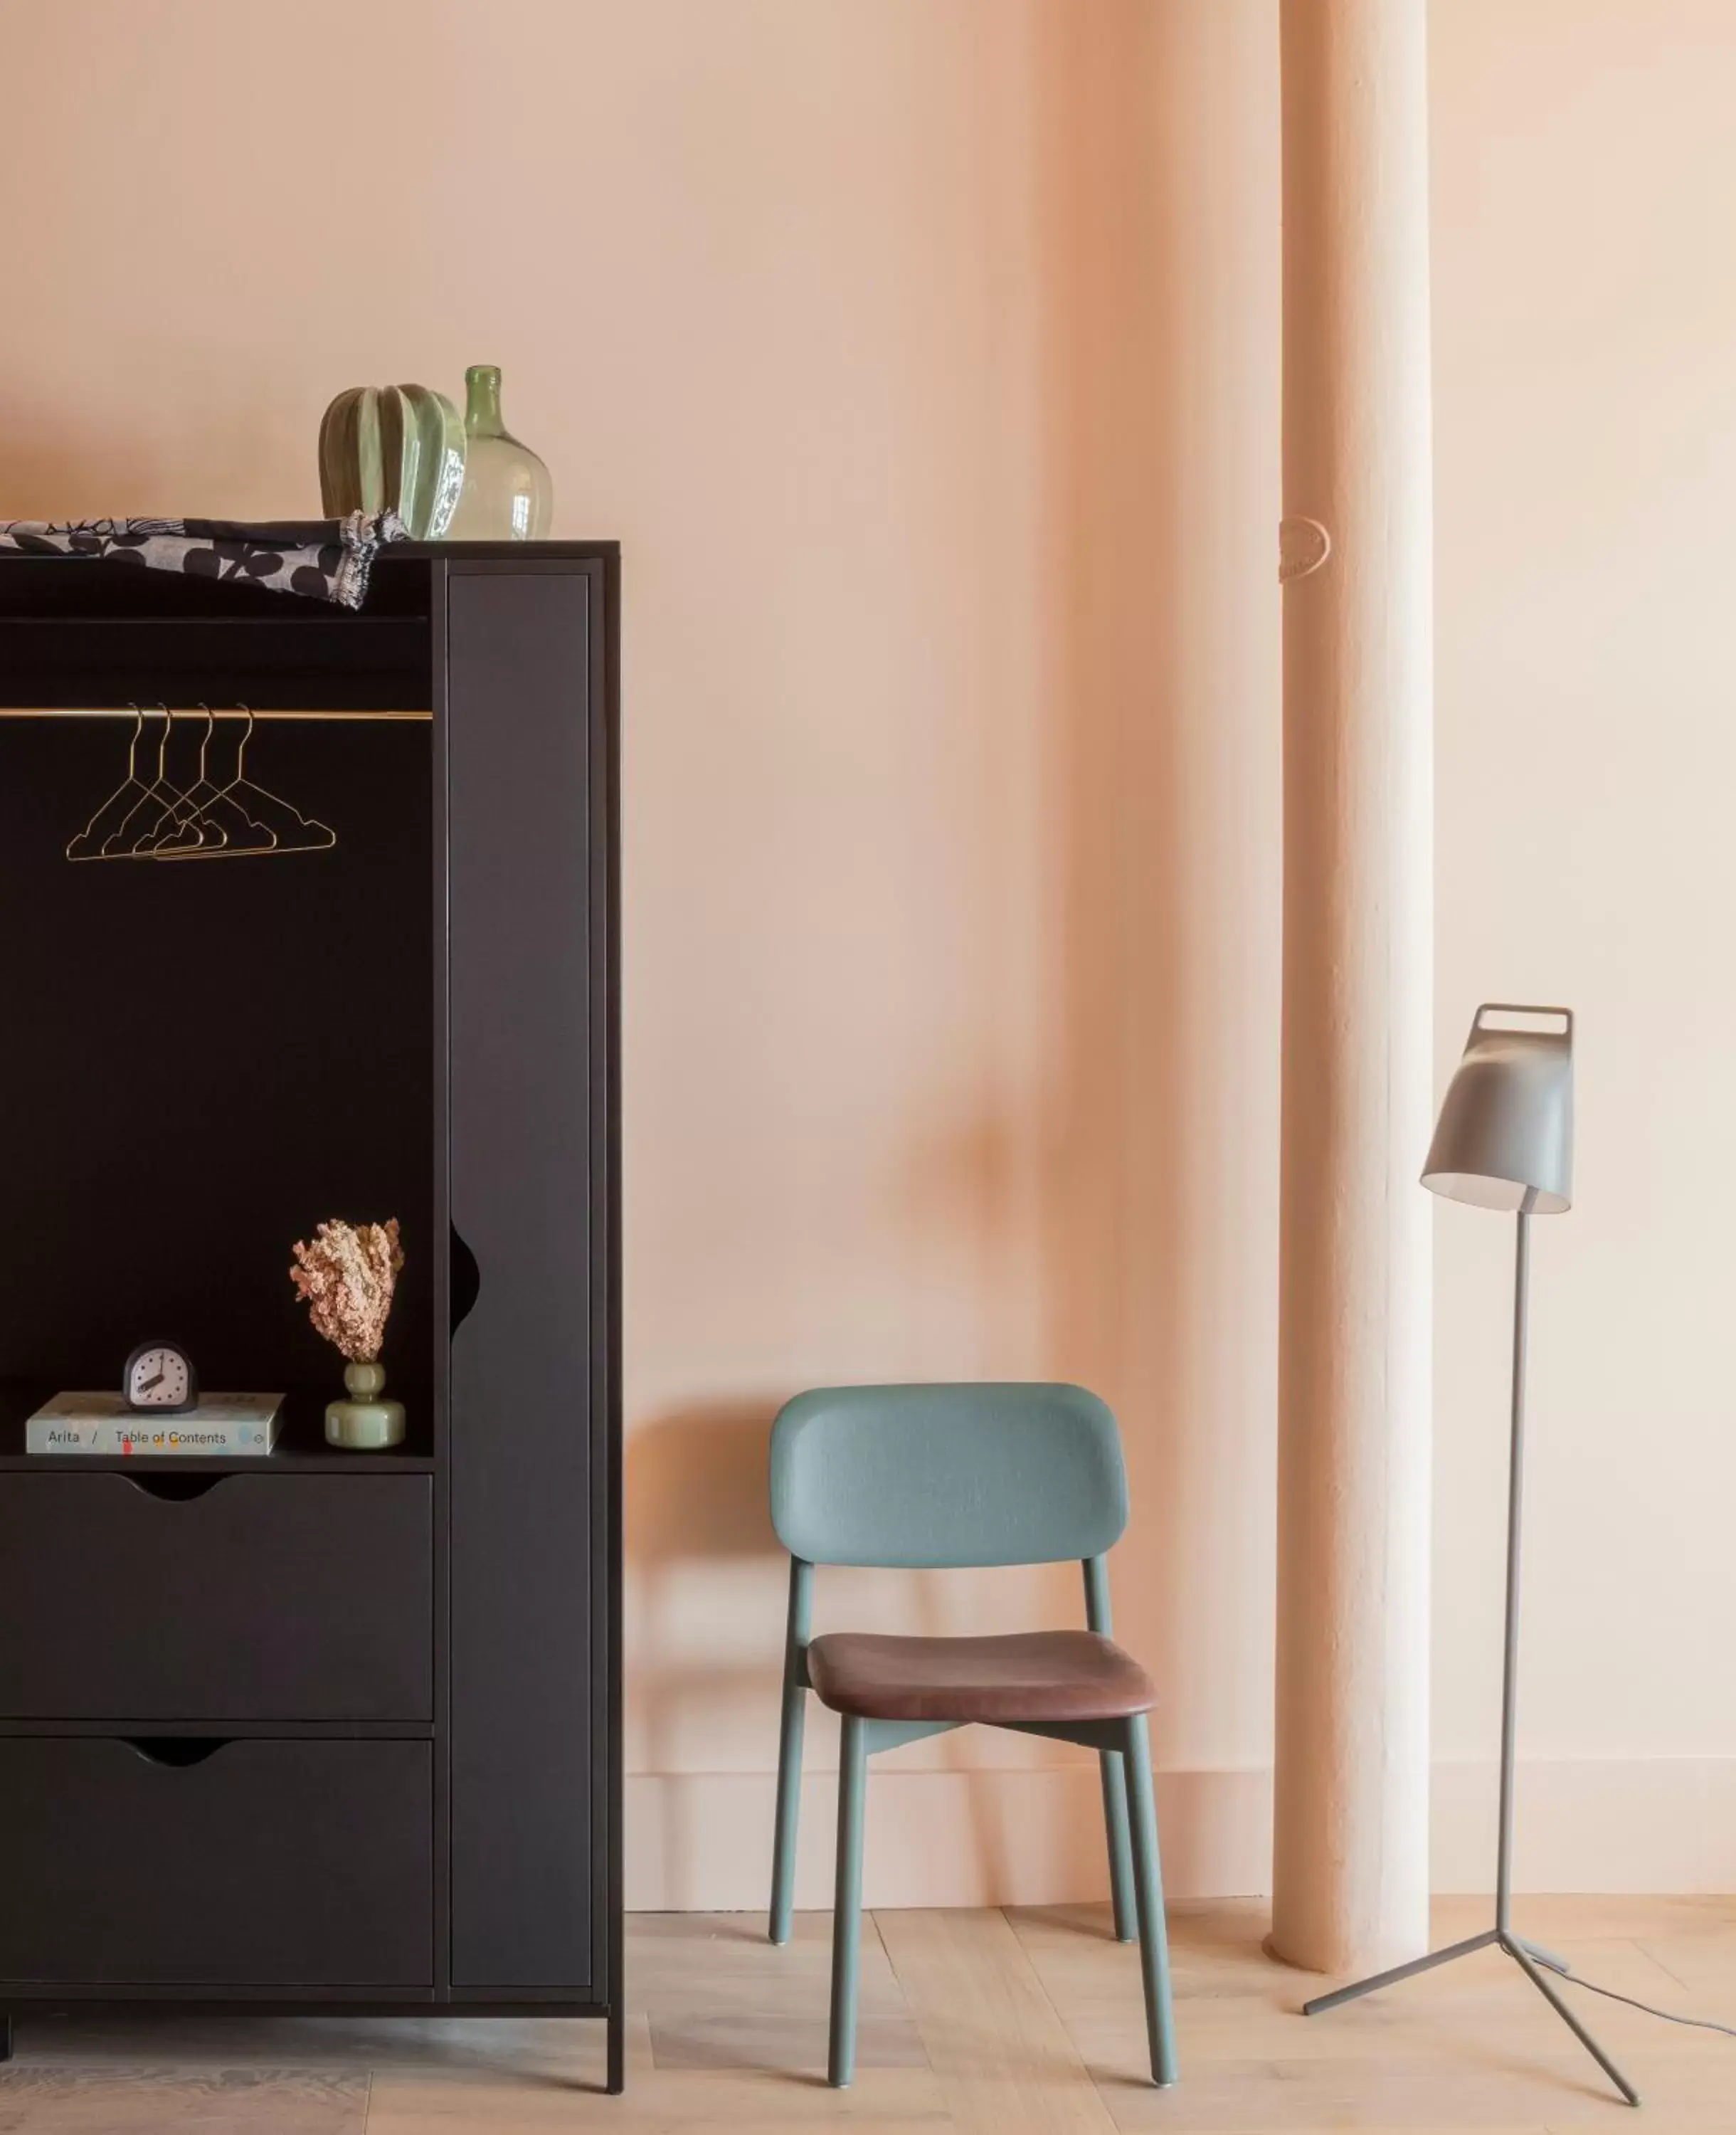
{"x":213,"y":1058}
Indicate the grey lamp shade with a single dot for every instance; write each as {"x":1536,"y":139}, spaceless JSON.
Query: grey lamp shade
{"x":1505,"y":1137}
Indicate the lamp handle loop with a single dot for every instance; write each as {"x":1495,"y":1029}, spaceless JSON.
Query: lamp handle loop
{"x":1524,"y":1008}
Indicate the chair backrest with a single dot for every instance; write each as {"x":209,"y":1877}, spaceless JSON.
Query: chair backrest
{"x":931,"y":1476}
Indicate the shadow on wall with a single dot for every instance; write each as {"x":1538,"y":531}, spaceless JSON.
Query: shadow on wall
{"x":1116,"y":435}
{"x":1102,"y":1193}
{"x":697,"y":1500}
{"x":1160,"y":1217}
{"x":1152,"y":1276}
{"x":699,"y":1524}
{"x":1108,"y":1184}
{"x":1149,"y":1151}
{"x":696,"y":1485}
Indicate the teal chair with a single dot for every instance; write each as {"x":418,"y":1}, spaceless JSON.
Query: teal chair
{"x":932,"y":1477}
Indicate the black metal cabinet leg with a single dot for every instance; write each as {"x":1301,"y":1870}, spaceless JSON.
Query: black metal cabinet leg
{"x":617,"y":2081}
{"x":6,"y":2036}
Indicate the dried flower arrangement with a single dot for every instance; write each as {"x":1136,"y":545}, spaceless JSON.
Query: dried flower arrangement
{"x":346,"y":1278}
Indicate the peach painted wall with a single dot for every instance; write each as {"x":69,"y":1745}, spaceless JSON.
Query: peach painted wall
{"x":1585,"y":384}
{"x":923,"y":355}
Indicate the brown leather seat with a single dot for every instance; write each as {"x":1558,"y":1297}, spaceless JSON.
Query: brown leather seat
{"x":1027,"y":1675}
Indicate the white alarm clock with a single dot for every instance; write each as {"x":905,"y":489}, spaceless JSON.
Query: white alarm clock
{"x":160,"y":1380}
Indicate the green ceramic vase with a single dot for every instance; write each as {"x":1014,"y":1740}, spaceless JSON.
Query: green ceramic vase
{"x":364,"y":1423}
{"x":394,"y":449}
{"x":507,"y":494}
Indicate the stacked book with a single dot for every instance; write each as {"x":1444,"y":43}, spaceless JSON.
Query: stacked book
{"x":222,"y":1423}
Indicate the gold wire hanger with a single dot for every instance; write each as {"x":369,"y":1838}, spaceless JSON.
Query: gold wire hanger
{"x":291,"y":832}
{"x":218,"y":820}
{"x":165,"y":799}
{"x":176,"y":814}
{"x":88,"y":845}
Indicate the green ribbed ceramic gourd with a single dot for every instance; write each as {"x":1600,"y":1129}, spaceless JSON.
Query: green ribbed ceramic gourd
{"x":394,"y":449}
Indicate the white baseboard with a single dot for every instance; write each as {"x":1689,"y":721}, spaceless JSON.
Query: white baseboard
{"x":702,"y":1842}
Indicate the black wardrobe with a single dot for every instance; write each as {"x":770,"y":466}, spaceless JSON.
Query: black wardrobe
{"x":322,"y":1730}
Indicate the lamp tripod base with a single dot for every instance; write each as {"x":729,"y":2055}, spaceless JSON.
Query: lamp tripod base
{"x":1532,"y":1960}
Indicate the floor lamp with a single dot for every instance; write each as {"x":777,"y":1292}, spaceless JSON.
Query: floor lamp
{"x":1505,"y":1140}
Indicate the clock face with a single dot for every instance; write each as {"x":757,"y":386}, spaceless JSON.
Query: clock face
{"x":159,"y":1376}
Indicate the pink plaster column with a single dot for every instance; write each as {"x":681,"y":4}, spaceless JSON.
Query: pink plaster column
{"x":1351,"y":1854}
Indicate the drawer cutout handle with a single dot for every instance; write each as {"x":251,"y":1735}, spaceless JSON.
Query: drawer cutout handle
{"x":464,"y":1282}
{"x":177,"y":1750}
{"x":175,"y":1490}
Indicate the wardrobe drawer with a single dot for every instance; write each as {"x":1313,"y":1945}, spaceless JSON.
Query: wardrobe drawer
{"x":263,"y":1597}
{"x":261,"y":1864}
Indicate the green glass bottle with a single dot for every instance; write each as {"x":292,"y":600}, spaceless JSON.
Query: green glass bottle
{"x":507,"y":495}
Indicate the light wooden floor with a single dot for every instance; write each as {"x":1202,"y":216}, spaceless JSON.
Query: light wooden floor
{"x":1023,"y":2023}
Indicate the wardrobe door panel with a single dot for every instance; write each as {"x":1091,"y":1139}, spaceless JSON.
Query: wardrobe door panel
{"x":518,"y":772}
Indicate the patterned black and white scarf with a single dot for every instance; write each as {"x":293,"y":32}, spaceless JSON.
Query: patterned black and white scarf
{"x":327,"y":559}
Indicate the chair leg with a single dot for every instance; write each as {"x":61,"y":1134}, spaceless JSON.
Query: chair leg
{"x":1149,"y":1886}
{"x":847,"y":1904}
{"x":1120,"y":1848}
{"x":789,"y":1750}
{"x":789,"y":1809}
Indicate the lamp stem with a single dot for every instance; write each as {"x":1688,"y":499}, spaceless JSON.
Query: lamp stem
{"x":1527,"y":1955}
{"x":1515,"y":1495}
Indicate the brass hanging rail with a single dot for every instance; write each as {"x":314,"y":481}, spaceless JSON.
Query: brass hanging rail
{"x":198,"y":711}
